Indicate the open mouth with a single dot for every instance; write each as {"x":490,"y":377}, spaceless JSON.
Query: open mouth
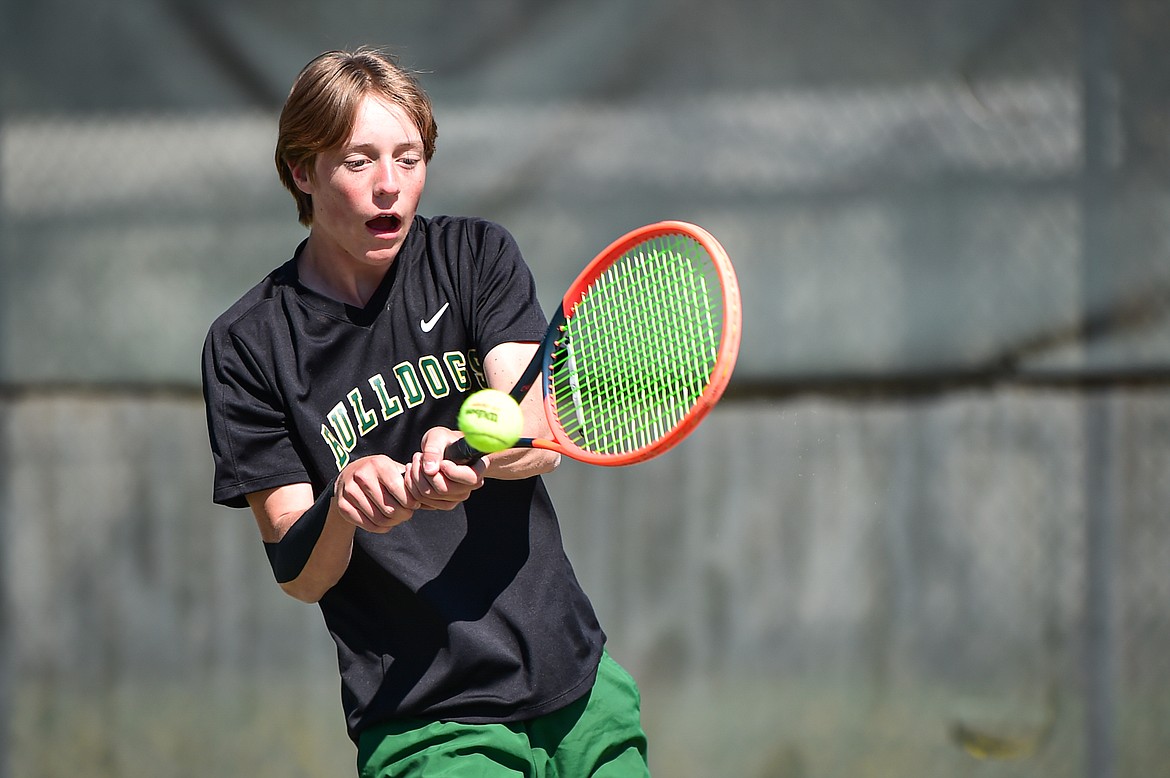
{"x":384,"y":224}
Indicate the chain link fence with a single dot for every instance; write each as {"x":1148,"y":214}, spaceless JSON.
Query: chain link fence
{"x":924,"y":534}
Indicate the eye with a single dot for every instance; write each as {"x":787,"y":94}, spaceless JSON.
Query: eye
{"x":356,"y":163}
{"x":410,"y":161}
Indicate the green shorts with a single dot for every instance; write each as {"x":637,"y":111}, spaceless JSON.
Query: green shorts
{"x":599,"y":735}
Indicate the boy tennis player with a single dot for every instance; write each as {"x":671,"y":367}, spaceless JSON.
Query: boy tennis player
{"x":465,"y":643}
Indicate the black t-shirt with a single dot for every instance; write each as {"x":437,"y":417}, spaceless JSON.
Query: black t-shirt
{"x":473,"y":614}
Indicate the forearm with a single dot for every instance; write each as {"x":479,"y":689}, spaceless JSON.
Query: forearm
{"x":518,"y":463}
{"x":327,"y":562}
{"x":503,"y":366}
{"x":307,"y":541}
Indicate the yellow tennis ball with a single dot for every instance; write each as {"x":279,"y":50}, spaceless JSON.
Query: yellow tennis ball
{"x":491,"y":420}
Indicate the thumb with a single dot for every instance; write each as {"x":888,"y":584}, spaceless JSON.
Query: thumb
{"x":431,"y":462}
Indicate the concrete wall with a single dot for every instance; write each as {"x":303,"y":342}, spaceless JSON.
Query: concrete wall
{"x":827,"y":582}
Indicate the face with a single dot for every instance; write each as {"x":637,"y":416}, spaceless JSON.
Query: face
{"x":365,"y":193}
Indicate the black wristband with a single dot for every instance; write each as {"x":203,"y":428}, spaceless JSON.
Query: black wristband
{"x":291,"y":553}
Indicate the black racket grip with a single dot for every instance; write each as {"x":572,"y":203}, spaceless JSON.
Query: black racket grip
{"x":461,"y":453}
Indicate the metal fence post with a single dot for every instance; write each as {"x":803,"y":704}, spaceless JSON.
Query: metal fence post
{"x":7,"y":643}
{"x":1100,"y":120}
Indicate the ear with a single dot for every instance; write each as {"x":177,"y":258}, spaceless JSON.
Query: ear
{"x":302,"y":177}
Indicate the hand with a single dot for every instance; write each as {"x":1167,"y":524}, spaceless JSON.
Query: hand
{"x":438,"y":483}
{"x":371,"y":493}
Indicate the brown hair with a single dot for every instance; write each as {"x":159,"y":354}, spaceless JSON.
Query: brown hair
{"x":320,"y":110}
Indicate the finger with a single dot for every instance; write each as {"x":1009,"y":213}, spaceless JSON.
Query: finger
{"x":432,"y":463}
{"x":396,"y":490}
{"x":417,"y":484}
{"x":372,"y":515}
{"x":438,"y":477}
{"x":464,"y":476}
{"x":395,"y":514}
{"x":352,"y":502}
{"x":375,"y":497}
{"x":433,"y":494}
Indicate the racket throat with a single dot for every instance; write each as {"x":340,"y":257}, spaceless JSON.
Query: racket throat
{"x":574,"y":386}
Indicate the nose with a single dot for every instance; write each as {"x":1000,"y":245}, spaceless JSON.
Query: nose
{"x":386,"y":181}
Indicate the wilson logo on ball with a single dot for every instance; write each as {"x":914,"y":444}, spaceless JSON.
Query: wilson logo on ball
{"x":482,"y":413}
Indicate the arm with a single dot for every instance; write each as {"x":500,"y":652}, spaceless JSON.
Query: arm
{"x":438,"y":483}
{"x":502,"y":366}
{"x":369,"y":493}
{"x":376,"y":493}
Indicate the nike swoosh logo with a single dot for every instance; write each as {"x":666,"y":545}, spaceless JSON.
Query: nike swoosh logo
{"x":429,"y":324}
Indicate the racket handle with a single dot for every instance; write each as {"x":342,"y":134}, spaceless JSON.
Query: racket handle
{"x":461,"y":453}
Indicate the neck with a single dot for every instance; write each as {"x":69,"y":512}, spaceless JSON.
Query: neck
{"x":338,"y":278}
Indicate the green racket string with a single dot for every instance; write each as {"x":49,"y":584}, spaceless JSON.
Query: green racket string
{"x":639,"y":348}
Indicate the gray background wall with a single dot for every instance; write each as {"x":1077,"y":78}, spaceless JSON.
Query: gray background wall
{"x":933,"y":502}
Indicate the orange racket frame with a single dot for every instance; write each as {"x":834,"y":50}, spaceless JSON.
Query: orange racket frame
{"x":726,"y":354}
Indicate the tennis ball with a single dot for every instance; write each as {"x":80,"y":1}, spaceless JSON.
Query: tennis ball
{"x":491,"y":420}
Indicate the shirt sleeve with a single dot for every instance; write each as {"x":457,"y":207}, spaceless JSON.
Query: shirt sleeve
{"x":506,"y":307}
{"x":251,"y":444}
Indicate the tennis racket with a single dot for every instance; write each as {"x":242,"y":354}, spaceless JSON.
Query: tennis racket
{"x":640,"y":350}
